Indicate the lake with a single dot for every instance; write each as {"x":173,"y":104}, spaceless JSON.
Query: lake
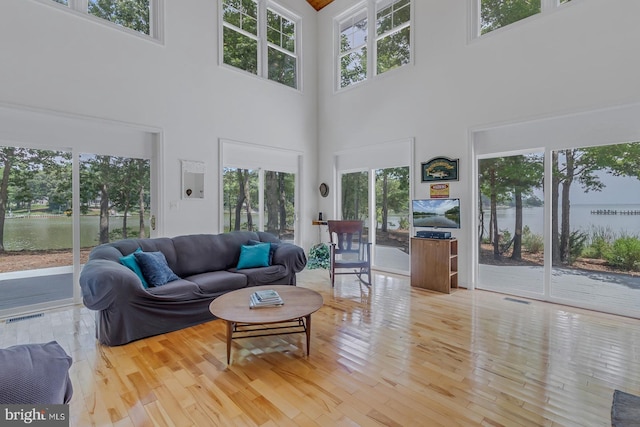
{"x":582,"y":218}
{"x":55,"y":232}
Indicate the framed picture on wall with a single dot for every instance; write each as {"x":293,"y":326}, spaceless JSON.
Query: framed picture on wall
{"x":440,"y":169}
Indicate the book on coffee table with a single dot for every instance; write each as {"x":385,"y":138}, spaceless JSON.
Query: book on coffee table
{"x":265,"y":298}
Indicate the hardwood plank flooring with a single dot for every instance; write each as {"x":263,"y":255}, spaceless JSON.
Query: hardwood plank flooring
{"x":388,"y":355}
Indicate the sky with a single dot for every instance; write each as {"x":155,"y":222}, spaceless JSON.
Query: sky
{"x":618,"y":190}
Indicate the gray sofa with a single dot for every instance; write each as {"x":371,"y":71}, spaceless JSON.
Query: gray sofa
{"x":205,"y":265}
{"x":35,"y":374}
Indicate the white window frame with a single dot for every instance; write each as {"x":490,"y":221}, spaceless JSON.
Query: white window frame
{"x":351,"y":17}
{"x":81,"y":8}
{"x":546,"y":7}
{"x":263,"y":43}
{"x":371,"y":7}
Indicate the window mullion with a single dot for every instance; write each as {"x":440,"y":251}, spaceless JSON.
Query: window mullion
{"x":79,"y":5}
{"x":263,"y":56}
{"x":241,"y":31}
{"x":372,"y":49}
{"x":548,"y":5}
{"x":394,"y":30}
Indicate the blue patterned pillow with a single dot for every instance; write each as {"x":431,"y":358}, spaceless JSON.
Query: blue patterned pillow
{"x":253,"y":256}
{"x":155,"y":268}
{"x":130,"y":262}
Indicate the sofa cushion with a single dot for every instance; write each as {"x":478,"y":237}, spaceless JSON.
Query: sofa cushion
{"x":154,"y":267}
{"x":176,"y":290}
{"x":218,"y":281}
{"x":36,"y":374}
{"x":265,"y":275}
{"x":131,"y":262}
{"x":254,"y":256}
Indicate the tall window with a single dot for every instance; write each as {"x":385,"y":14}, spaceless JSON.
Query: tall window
{"x":138,"y":15}
{"x":260,"y":38}
{"x":393,"y":31}
{"x":240,"y":34}
{"x":494,"y":14}
{"x":389,"y":41}
{"x":281,"y":47}
{"x":352,"y":55}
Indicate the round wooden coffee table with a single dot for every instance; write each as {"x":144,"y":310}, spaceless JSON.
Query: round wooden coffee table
{"x":299,"y":305}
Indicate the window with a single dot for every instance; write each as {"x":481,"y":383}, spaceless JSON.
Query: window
{"x":393,"y":31}
{"x":494,"y":14}
{"x":132,"y":14}
{"x":353,"y":49}
{"x":141,"y":16}
{"x":260,"y":38}
{"x":389,"y":40}
{"x":240,"y":34}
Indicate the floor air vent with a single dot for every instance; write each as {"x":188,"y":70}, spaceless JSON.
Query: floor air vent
{"x":518,"y":300}
{"x":27,"y":317}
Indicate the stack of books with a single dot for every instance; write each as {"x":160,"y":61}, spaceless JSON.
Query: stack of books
{"x":265,"y":298}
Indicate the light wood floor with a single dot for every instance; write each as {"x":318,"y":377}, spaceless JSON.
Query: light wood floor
{"x":389,"y":355}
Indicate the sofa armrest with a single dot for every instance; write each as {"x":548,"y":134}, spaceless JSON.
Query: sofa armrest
{"x":35,"y":374}
{"x":106,"y":283}
{"x":291,"y":256}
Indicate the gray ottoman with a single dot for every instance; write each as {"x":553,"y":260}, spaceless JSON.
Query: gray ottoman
{"x":35,"y":374}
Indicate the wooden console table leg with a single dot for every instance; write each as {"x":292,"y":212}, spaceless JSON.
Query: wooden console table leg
{"x":308,"y":330}
{"x":229,"y":335}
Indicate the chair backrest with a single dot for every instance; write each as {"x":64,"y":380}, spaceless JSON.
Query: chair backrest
{"x":346,"y":234}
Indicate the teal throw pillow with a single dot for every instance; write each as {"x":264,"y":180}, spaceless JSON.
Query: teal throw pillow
{"x":253,"y":256}
{"x":130,"y":262}
{"x":155,"y":268}
{"x":272,"y":248}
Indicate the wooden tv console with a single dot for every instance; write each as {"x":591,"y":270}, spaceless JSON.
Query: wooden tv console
{"x":434,"y":264}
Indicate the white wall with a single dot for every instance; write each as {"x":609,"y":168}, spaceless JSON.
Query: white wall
{"x":579,"y":58}
{"x":57,"y":61}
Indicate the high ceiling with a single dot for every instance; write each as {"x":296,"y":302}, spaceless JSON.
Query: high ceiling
{"x":318,"y":4}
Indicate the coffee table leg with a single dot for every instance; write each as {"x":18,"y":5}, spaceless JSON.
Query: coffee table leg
{"x":308,"y":328}
{"x":229,"y":335}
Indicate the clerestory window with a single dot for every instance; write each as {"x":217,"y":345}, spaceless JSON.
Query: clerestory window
{"x":494,"y":14}
{"x":364,"y":50}
{"x":141,"y":16}
{"x":260,"y":37}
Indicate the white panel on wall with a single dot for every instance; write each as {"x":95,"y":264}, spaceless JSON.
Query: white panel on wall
{"x":607,"y":126}
{"x":49,"y":130}
{"x":254,"y":156}
{"x":385,"y":155}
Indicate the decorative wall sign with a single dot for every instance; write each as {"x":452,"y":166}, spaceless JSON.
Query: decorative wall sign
{"x":439,"y":191}
{"x":440,"y":169}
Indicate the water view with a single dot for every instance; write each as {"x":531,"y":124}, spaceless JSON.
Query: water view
{"x":584,"y":217}
{"x":55,"y":232}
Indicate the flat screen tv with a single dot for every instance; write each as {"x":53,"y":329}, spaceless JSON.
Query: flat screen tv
{"x":437,"y":213}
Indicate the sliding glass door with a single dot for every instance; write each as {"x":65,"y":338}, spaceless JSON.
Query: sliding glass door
{"x":511,"y":224}
{"x":38,"y":218}
{"x":259,"y":200}
{"x":36,"y":242}
{"x":596,"y":227}
{"x":588,"y":252}
{"x":115,"y":199}
{"x":383,"y":204}
{"x":392,"y":219}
